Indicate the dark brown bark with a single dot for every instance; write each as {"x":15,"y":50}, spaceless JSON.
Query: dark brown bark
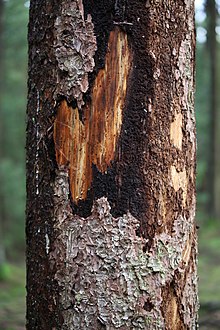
{"x":111,"y":240}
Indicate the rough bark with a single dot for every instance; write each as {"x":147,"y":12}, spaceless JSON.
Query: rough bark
{"x":111,"y":238}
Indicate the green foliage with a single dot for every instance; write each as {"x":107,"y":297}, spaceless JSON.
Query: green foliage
{"x":12,"y":120}
{"x":209,"y":267}
{"x":203,"y":121}
{"x":5,"y":271}
{"x":12,"y":299}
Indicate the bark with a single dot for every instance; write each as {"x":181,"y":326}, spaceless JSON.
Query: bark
{"x":214,"y":159}
{"x":111,"y":238}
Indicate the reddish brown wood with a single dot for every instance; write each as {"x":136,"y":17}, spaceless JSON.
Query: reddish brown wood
{"x":81,"y":142}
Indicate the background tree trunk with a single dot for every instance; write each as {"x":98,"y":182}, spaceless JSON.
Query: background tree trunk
{"x":2,"y":197}
{"x":214,"y":154}
{"x":111,"y":238}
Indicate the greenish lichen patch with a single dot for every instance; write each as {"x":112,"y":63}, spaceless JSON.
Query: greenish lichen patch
{"x":74,"y":46}
{"x":104,"y":274}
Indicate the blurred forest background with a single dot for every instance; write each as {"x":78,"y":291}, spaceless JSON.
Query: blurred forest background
{"x":13,"y":69}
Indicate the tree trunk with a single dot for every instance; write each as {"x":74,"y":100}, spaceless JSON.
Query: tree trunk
{"x":2,"y":196}
{"x":111,"y":238}
{"x":214,"y":154}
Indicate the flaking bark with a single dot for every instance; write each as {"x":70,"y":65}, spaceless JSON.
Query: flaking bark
{"x":111,"y":238}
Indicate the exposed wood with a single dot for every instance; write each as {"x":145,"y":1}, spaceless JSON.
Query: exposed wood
{"x":176,"y":134}
{"x":111,"y":235}
{"x":179,"y":181}
{"x":81,"y":142}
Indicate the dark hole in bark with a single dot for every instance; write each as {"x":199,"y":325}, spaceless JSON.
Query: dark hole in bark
{"x":66,"y":33}
{"x":63,"y":74}
{"x":100,"y":325}
{"x":148,"y":306}
{"x":73,"y":103}
{"x":145,"y":248}
{"x":83,"y":208}
{"x":138,"y":232}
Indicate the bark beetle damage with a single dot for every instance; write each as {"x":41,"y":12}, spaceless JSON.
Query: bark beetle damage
{"x":79,"y":144}
{"x":108,"y":275}
{"x":179,"y":181}
{"x":125,"y":192}
{"x":172,"y":316}
{"x":176,"y":134}
{"x":141,"y":253}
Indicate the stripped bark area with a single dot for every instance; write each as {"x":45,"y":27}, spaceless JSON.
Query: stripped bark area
{"x":81,"y":142}
{"x":111,"y":237}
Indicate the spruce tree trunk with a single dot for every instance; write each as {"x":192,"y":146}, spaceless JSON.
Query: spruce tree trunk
{"x":111,"y":237}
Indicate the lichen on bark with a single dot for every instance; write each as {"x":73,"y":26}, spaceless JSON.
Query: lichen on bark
{"x":104,"y":274}
{"x":131,"y":266}
{"x":74,"y":46}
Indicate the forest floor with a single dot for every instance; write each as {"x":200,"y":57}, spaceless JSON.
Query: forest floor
{"x":12,"y":299}
{"x":209,"y":274}
{"x":12,"y":290}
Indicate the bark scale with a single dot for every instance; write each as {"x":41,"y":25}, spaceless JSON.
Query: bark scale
{"x":111,"y":238}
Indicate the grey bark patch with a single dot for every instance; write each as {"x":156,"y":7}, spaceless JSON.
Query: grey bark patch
{"x":104,"y":274}
{"x":75,"y":46}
